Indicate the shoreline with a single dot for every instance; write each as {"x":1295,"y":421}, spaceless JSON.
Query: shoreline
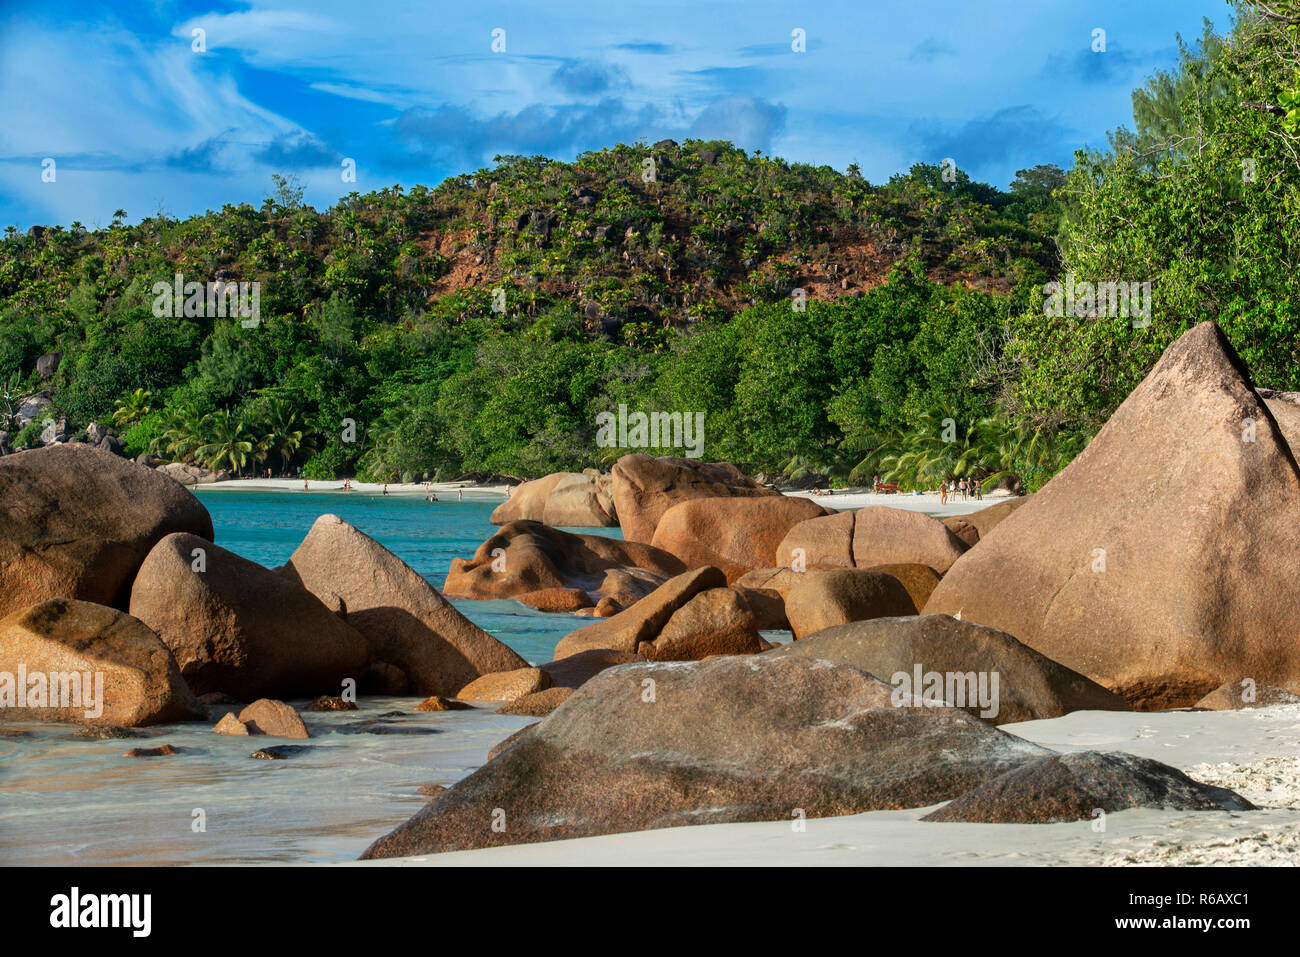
{"x":927,"y":502}
{"x":842,"y":499}
{"x":363,"y":488}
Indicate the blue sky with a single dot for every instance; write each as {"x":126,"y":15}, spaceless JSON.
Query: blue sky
{"x":134,"y":117}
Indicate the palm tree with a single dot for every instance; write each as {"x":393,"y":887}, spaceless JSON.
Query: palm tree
{"x":938,"y":447}
{"x":870,"y":451}
{"x":132,"y":407}
{"x":228,"y":442}
{"x":182,"y":433}
{"x":282,"y":431}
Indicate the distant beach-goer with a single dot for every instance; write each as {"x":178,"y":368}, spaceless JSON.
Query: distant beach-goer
{"x":385,"y":488}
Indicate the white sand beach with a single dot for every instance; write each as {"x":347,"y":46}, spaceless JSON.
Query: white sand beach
{"x":927,"y":502}
{"x":363,"y":488}
{"x":842,"y":499}
{"x":1256,"y":752}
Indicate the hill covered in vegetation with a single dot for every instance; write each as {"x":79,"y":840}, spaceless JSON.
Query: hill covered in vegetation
{"x":481,"y":325}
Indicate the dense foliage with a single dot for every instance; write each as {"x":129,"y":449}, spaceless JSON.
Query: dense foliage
{"x":1201,"y":199}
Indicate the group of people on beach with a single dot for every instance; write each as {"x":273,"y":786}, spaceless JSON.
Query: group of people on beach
{"x":964,"y":487}
{"x":430,"y":495}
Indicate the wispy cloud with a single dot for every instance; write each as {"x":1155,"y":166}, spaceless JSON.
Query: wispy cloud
{"x":985,"y":142}
{"x":747,"y":121}
{"x":1112,"y":66}
{"x":588,"y":77}
{"x":656,"y":49}
{"x":930,"y":49}
{"x":297,"y":151}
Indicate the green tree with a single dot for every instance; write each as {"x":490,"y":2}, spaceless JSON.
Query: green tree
{"x":229,"y":442}
{"x":133,"y":406}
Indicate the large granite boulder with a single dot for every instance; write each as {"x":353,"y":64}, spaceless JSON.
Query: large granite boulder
{"x":752,"y":738}
{"x":987,"y":518}
{"x":77,"y":522}
{"x":506,"y":685}
{"x":1245,"y":693}
{"x":538,"y":704}
{"x":187,"y":475}
{"x":642,"y":623}
{"x":576,"y":670}
{"x":822,"y":599}
{"x":1285,"y":407}
{"x":1073,"y":787}
{"x":561,"y":499}
{"x":778,"y":580}
{"x":526,"y":557}
{"x":919,"y":580}
{"x":239,"y":628}
{"x":716,"y":621}
{"x":584,"y":500}
{"x":875,"y":535}
{"x":403,"y":618}
{"x":527,"y":501}
{"x":110,"y":668}
{"x":1161,"y":561}
{"x":646,"y":487}
{"x":825,"y":542}
{"x":964,"y":530}
{"x":768,"y":606}
{"x":896,"y":536}
{"x":736,"y":535}
{"x":970,"y":661}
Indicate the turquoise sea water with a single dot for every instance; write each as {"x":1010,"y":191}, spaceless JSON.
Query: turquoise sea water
{"x":266,"y":527}
{"x":65,"y":800}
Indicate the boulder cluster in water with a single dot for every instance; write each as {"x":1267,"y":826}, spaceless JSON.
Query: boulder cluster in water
{"x":1154,"y":572}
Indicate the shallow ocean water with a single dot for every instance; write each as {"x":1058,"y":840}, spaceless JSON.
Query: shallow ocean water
{"x":76,"y":801}
{"x":266,"y":527}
